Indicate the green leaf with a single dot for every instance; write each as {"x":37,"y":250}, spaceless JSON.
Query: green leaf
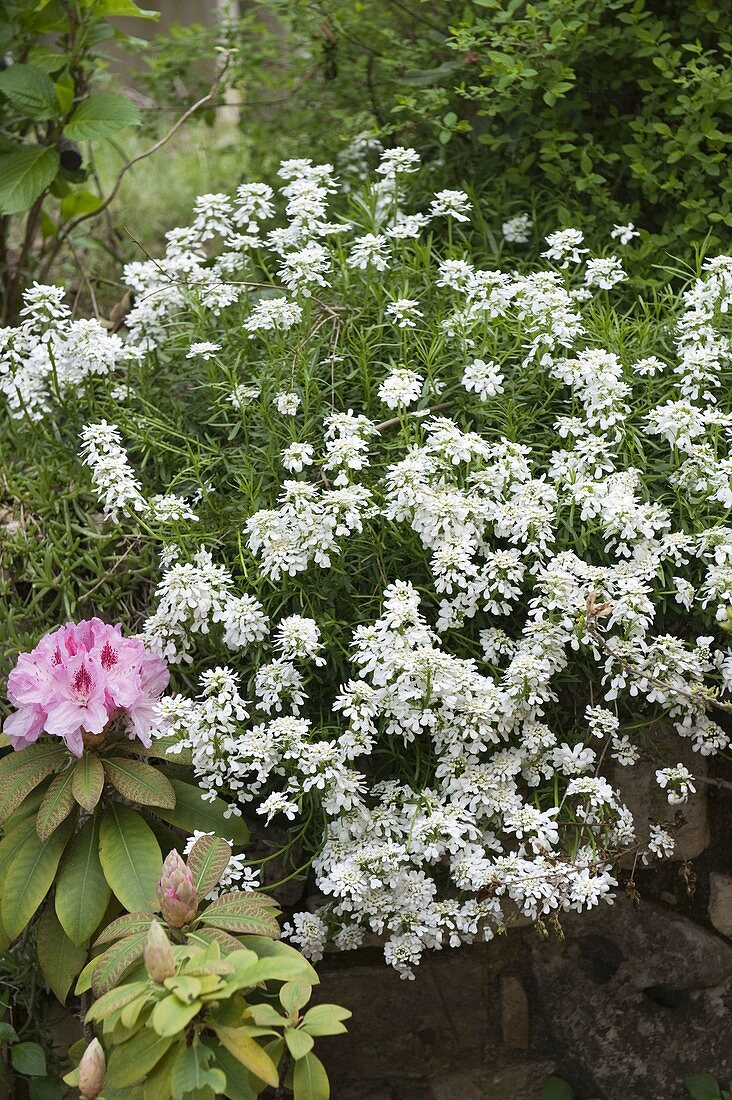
{"x":100,"y":115}
{"x":126,"y":7}
{"x":64,"y":89}
{"x":130,"y":857}
{"x":42,"y":57}
{"x":226,"y":942}
{"x":29,"y":878}
{"x":325,"y":1019}
{"x":191,"y":1072}
{"x":170,"y":1016}
{"x":116,"y":959}
{"x":132,"y":1061}
{"x":158,"y":1081}
{"x":207,"y":860}
{"x":11,"y":843}
{"x":79,"y":202}
{"x":309,"y":1079}
{"x":60,"y":959}
{"x":299,"y":1043}
{"x":20,"y":773}
{"x":29,"y":1059}
{"x":192,"y":814}
{"x":247,"y":1051}
{"x":554,"y":1088}
{"x":238,"y":1080}
{"x":702,"y":1086}
{"x":276,"y":949}
{"x":294,"y":996}
{"x":82,"y":892}
{"x":244,"y":913}
{"x":30,"y":90}
{"x":124,"y":926}
{"x":140,"y":782}
{"x":58,"y":802}
{"x":87,"y":781}
{"x":45,"y":1088}
{"x":115,"y":1000}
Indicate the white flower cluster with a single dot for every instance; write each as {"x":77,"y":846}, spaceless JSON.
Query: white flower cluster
{"x":527,"y":560}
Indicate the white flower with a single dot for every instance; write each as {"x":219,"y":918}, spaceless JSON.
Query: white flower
{"x":398,"y":160}
{"x":451,"y":204}
{"x":483,"y":378}
{"x":624,"y":234}
{"x":678,"y":781}
{"x":296,"y":456}
{"x":604,"y":272}
{"x":370,"y":251}
{"x":517,"y":230}
{"x":564,"y":245}
{"x":404,"y":311}
{"x":204,"y":350}
{"x":401,"y":387}
{"x":286,"y":403}
{"x":273,"y":314}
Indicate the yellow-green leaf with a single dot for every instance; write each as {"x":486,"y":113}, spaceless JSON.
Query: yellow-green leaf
{"x":58,"y":802}
{"x":140,"y":782}
{"x":29,"y":877}
{"x":249,"y":1053}
{"x":87,"y":781}
{"x":309,"y":1079}
{"x":170,"y":1016}
{"x":124,"y":926}
{"x":22,"y":771}
{"x":82,"y":891}
{"x":132,"y":1061}
{"x":115,"y":960}
{"x":60,"y":959}
{"x":130,"y":857}
{"x":207,"y":860}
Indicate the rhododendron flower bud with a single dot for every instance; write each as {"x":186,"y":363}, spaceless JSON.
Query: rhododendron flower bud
{"x":158,"y":954}
{"x":177,"y":892}
{"x":77,"y":680}
{"x":92,"y":1070}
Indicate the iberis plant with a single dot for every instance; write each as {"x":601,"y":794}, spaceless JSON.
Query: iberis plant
{"x":79,"y":681}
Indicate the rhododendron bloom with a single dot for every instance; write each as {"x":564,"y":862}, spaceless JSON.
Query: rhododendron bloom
{"x":78,"y":679}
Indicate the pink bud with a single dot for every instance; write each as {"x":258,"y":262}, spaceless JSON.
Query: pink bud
{"x":92,"y":1070}
{"x":177,"y":892}
{"x":158,"y":954}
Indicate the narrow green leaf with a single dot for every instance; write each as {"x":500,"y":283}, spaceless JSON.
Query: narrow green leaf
{"x":87,"y":781}
{"x":207,"y":860}
{"x":247,"y":1051}
{"x":309,"y":1079}
{"x":140,"y":782}
{"x":130,"y":857}
{"x":21,"y":774}
{"x":132,"y":1061}
{"x":192,"y":814}
{"x":58,"y":802}
{"x":100,"y":115}
{"x":60,"y":959}
{"x":82,"y":892}
{"x":29,"y":878}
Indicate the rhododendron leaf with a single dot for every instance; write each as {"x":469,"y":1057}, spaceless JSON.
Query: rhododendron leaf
{"x":171,"y":1016}
{"x":295,"y":995}
{"x":87,"y":782}
{"x":57,"y":804}
{"x":29,"y":877}
{"x":115,"y":1000}
{"x":124,"y":926}
{"x":158,"y":1081}
{"x":159,"y":750}
{"x":249,"y":1053}
{"x":60,"y":959}
{"x":205,"y":936}
{"x":115,"y":961}
{"x":309,"y":1079}
{"x":238,"y":1079}
{"x":132,"y":1061}
{"x":130,"y":856}
{"x":193,"y":814}
{"x":10,"y":844}
{"x":276,"y":949}
{"x":140,"y":782}
{"x":325,"y":1019}
{"x":191,"y":1072}
{"x":299,"y":1043}
{"x":21,"y":772}
{"x":242,"y":913}
{"x":207,"y":860}
{"x":82,"y":892}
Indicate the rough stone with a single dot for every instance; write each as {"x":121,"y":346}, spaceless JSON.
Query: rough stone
{"x":521,"y":1081}
{"x":515,"y":1021}
{"x":720,"y":902}
{"x":637,"y":999}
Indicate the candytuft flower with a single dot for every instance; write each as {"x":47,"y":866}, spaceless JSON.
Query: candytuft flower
{"x":78,"y":680}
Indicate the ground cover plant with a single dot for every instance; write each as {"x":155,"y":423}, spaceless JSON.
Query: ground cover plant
{"x":443,"y":548}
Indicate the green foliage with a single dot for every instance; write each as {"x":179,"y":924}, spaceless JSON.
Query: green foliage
{"x":702,"y":1086}
{"x":48,"y":103}
{"x":208,"y":1016}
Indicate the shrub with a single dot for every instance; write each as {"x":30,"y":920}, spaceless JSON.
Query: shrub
{"x":439,"y":544}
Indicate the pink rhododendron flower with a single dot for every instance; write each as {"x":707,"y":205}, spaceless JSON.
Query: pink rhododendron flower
{"x":79,"y":678}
